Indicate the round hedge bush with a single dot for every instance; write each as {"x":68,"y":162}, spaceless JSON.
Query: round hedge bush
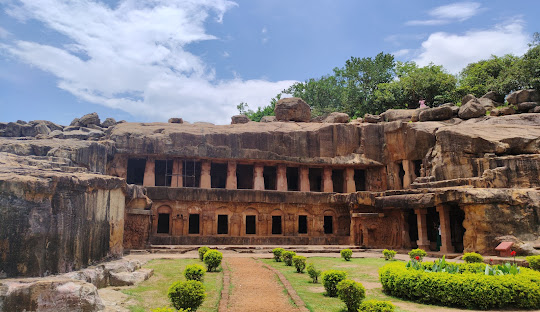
{"x":330,"y":280}
{"x":277,"y":253}
{"x":168,"y":309}
{"x":299,"y":263}
{"x":418,"y":252}
{"x":376,"y":306}
{"x":346,"y":254}
{"x":202,"y":251}
{"x":534,"y":262}
{"x":287,"y":256}
{"x":194,"y":272}
{"x":212,"y":259}
{"x":187,"y":295}
{"x":472,"y":257}
{"x":313,"y":273}
{"x":351,"y":293}
{"x":466,"y":290}
{"x":389,"y":254}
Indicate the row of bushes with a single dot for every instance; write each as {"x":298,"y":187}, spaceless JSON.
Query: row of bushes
{"x":467,"y":289}
{"x":335,"y":283}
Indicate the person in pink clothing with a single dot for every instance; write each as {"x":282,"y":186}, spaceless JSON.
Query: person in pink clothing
{"x":422,"y":103}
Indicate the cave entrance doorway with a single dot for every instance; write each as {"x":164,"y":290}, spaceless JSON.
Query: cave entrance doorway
{"x":457,"y":216}
{"x":412,"y":220}
{"x":163,"y":223}
{"x":276,"y":224}
{"x":223,"y":224}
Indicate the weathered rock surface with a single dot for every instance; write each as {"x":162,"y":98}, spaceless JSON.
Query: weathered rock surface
{"x":268,"y":119}
{"x":472,"y":109}
{"x":108,"y":122}
{"x":89,"y":119}
{"x":523,"y":96}
{"x":49,"y":295}
{"x":176,"y":120}
{"x":292,"y":109}
{"x":526,"y":106}
{"x":398,"y":114}
{"x":369,"y":118}
{"x":437,"y":113}
{"x":336,"y":117}
{"x":54,"y":221}
{"x":130,"y":278}
{"x":494,"y":96}
{"x":239,"y":119}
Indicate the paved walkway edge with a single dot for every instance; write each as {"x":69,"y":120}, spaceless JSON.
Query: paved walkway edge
{"x":224,"y":300}
{"x":290,"y":290}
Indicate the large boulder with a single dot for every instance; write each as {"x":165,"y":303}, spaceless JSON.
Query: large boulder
{"x":292,"y":109}
{"x":369,"y":118}
{"x":526,"y":106}
{"x":472,"y":109}
{"x":109,"y":122}
{"x":49,"y":295}
{"x":176,"y":120}
{"x":11,"y":129}
{"x":494,"y":96}
{"x":467,"y":98}
{"x":336,"y":117}
{"x":130,"y":278}
{"x":488,"y":104}
{"x":398,"y":114}
{"x":521,"y":96}
{"x":239,"y":119}
{"x":435,"y":114}
{"x":90,"y":119}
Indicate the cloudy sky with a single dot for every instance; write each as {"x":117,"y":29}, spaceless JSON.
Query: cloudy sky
{"x":197,"y":59}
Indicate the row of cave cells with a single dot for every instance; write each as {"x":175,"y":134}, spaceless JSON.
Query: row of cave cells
{"x":246,"y":223}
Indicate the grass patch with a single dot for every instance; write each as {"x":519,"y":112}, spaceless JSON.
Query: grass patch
{"x":152,"y":293}
{"x":365,"y":271}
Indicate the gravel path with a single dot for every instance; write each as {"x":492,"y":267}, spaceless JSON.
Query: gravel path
{"x":263,"y":293}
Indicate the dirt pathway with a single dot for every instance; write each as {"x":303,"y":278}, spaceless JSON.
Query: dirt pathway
{"x":255,"y":288}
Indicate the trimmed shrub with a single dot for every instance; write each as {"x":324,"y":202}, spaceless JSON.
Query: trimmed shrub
{"x":194,"y":272}
{"x":351,"y":293}
{"x":212,"y":259}
{"x":420,"y":253}
{"x":472,"y":257}
{"x":465,"y":289}
{"x":330,"y":280}
{"x":313,"y":273}
{"x":389,"y":254}
{"x":376,"y":306}
{"x":346,"y":254}
{"x":534,"y":262}
{"x":287,"y":256}
{"x":277,"y":253}
{"x":299,"y":263}
{"x":187,"y":295}
{"x":202,"y":251}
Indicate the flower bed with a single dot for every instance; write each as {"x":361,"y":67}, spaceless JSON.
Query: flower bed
{"x":469,"y":289}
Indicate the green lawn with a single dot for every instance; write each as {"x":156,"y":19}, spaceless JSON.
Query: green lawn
{"x":152,"y":293}
{"x":364,"y":271}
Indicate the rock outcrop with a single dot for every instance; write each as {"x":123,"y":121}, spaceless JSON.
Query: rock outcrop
{"x":292,"y":109}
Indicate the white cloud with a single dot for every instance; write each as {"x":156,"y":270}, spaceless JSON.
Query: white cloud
{"x":459,"y":11}
{"x":133,"y":57}
{"x":402,"y":52}
{"x":4,"y":33}
{"x":264,"y":30}
{"x":455,"y":51}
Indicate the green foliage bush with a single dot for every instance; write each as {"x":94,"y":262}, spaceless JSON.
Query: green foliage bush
{"x":389,"y":254}
{"x":351,"y":293}
{"x":202,"y":251}
{"x":287,"y":256}
{"x":313,"y":273}
{"x":194,"y":272}
{"x":330,"y":280}
{"x":465,"y":290}
{"x":534,"y":262}
{"x":212,"y":259}
{"x":376,"y":306}
{"x":421,"y":253}
{"x":472,"y":257}
{"x":299,"y":263}
{"x":169,"y":309}
{"x":187,"y":295}
{"x":346,"y":254}
{"x":277,"y":253}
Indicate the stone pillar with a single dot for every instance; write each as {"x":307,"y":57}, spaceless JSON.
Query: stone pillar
{"x":423,"y":241}
{"x":176,"y":180}
{"x":365,"y":236}
{"x":150,"y":172}
{"x":354,"y":235}
{"x":281,"y":177}
{"x":446,"y":232}
{"x":328,"y":185}
{"x":258,"y":178}
{"x":408,"y":167}
{"x":231,"y":176}
{"x":304,"y":179}
{"x":350,"y":185}
{"x":206,"y":179}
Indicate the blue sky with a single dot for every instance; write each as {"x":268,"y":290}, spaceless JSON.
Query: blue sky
{"x":197,"y":59}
